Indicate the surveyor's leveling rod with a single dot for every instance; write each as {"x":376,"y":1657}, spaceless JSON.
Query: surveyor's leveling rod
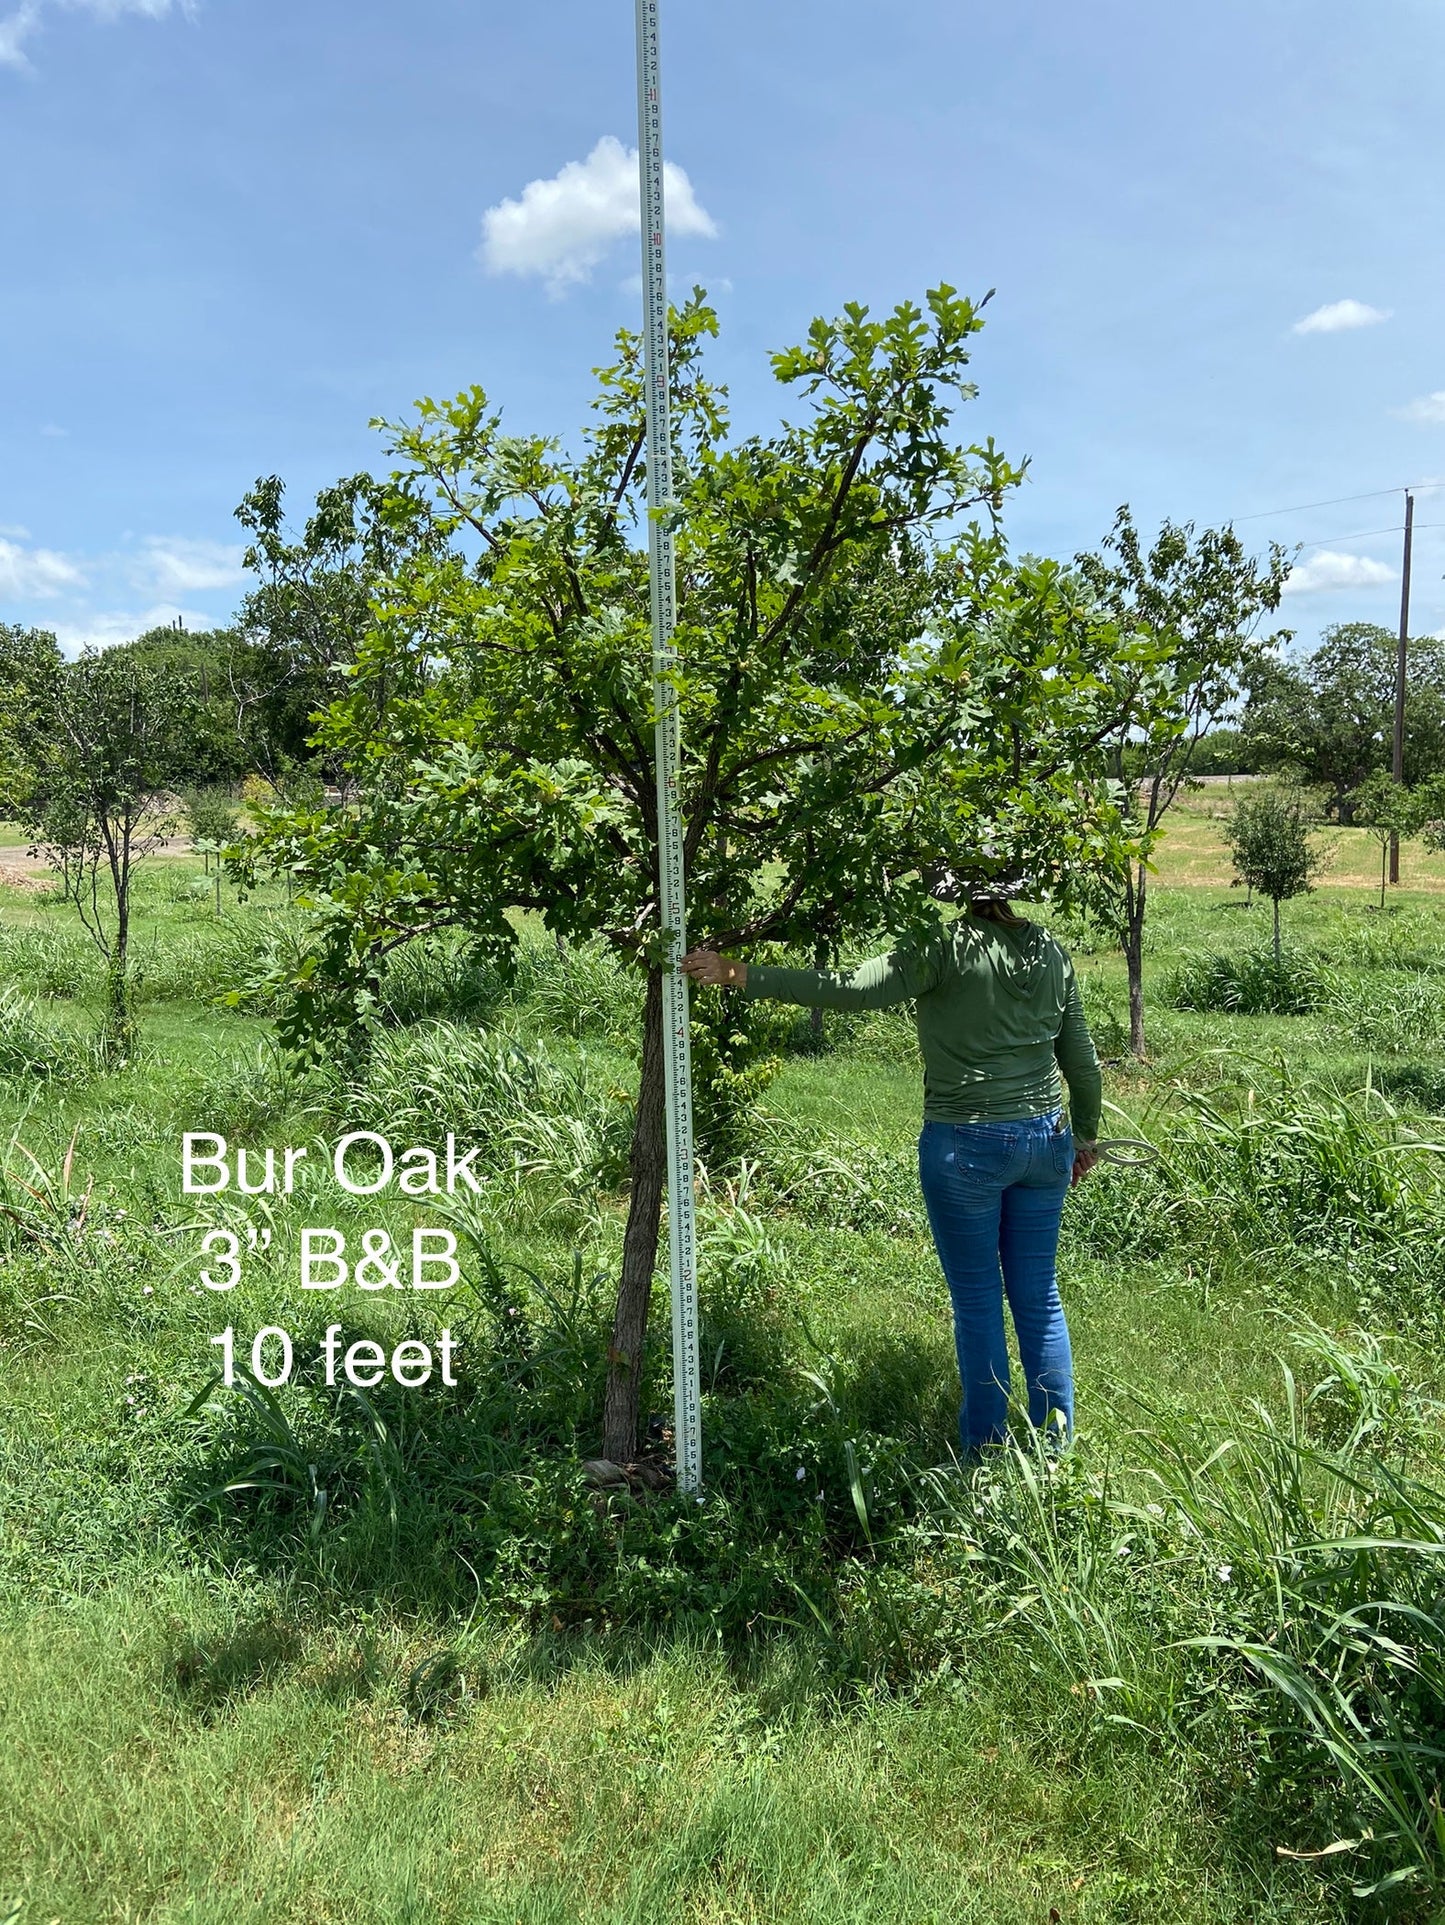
{"x":677,"y":1054}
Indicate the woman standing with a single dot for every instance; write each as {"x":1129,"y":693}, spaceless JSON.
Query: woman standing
{"x":999,"y":1017}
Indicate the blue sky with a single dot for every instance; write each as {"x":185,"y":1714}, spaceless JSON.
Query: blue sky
{"x":232,"y":231}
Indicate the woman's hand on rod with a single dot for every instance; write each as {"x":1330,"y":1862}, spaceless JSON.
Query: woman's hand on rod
{"x":716,"y":972}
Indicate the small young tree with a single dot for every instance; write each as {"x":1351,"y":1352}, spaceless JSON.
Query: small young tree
{"x":1268,"y":834}
{"x":1384,"y":808}
{"x":865,"y":695}
{"x":211,"y":820}
{"x":1198,"y":600}
{"x":97,"y":747}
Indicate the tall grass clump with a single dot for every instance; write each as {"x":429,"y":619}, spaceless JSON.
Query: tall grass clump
{"x":229,"y":959}
{"x":1270,"y":1178}
{"x":1409,"y":939}
{"x":1398,"y":1014}
{"x":1249,"y":982}
{"x":442,"y":978}
{"x":534,"y":1116}
{"x":1261,"y":1593}
{"x":34,"y":1045}
{"x":244,"y":1095}
{"x":48,"y":961}
{"x":827,"y":1180}
{"x":578,"y":990}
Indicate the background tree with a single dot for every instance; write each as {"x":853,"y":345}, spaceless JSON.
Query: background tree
{"x":97,"y":747}
{"x":865,"y":695}
{"x":1330,"y":716}
{"x":1429,"y":799}
{"x":1268,"y":835}
{"x":28,"y":665}
{"x":308,"y":617}
{"x":197,"y":662}
{"x":1197,"y":599}
{"x":1386,"y":809}
{"x":212,"y":820}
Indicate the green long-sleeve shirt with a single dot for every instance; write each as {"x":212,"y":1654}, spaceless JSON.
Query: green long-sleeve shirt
{"x":999,"y":1015}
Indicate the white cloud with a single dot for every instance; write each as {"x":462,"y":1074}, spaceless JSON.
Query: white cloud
{"x":115,"y":9}
{"x":15,"y":31}
{"x":1336,"y":316}
{"x":173,"y":565}
{"x":52,"y":433}
{"x":562,"y":228}
{"x":1329,"y":569}
{"x":104,"y":631}
{"x":1426,"y":408}
{"x":37,"y":572}
{"x":14,"y":530}
{"x":25,"y":21}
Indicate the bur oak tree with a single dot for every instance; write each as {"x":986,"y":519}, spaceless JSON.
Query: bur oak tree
{"x":877,"y":705}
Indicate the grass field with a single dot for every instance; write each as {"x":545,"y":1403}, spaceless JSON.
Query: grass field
{"x":324,"y":1656}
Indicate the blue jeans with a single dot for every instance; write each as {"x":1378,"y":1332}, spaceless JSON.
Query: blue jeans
{"x":995,"y":1195}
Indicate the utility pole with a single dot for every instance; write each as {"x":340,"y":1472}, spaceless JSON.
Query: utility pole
{"x":1397,"y":764}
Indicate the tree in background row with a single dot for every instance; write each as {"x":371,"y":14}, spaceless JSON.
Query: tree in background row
{"x":1268,"y":834}
{"x":1329,"y":719}
{"x":1197,"y":600}
{"x":874,"y":706}
{"x":92,"y":752}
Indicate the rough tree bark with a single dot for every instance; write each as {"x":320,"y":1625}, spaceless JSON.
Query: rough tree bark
{"x":648,"y":1165}
{"x":1133,"y":946}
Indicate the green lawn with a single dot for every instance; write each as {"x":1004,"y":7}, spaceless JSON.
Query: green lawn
{"x":455,"y":1687}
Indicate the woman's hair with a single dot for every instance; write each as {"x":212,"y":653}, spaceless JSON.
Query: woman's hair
{"x":994,"y":908}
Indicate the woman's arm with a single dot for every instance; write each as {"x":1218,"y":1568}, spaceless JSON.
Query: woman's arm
{"x":1077,"y":1058}
{"x":879,"y":983}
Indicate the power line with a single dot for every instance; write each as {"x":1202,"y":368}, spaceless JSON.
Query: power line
{"x":1364,"y":533}
{"x":1335,"y":501}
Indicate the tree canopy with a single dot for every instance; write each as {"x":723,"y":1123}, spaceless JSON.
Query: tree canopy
{"x":1198,"y":599}
{"x":1330,"y":717}
{"x":1268,"y":834}
{"x":94,"y":750}
{"x":878,"y":705}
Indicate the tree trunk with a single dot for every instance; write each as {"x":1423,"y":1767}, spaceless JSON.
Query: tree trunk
{"x":648,"y":1164}
{"x":1134,"y":962}
{"x":1276,"y":932}
{"x":119,"y":1036}
{"x":1384,"y":857}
